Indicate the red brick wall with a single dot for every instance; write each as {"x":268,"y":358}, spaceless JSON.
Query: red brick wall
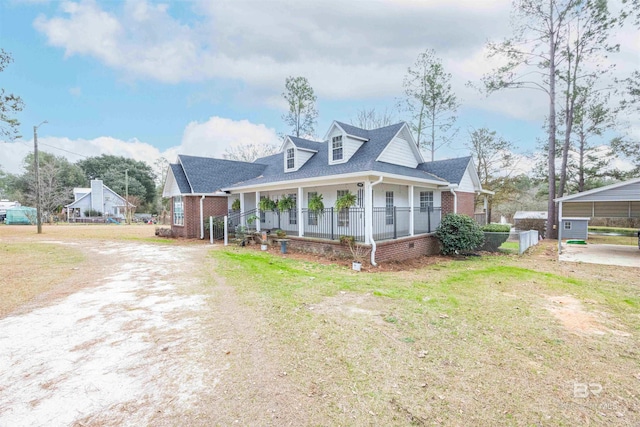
{"x":392,"y":250}
{"x":212,"y":206}
{"x":466,"y":203}
{"x":407,"y":248}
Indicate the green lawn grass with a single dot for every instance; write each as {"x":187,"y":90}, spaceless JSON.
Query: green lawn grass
{"x":464,"y":342}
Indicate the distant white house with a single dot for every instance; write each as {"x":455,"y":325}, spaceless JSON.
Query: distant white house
{"x":98,"y":198}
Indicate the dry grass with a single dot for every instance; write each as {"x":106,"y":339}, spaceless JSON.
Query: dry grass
{"x":32,"y":266}
{"x":468,"y":342}
{"x":497,"y":340}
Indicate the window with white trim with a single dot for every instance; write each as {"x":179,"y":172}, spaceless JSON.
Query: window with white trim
{"x":360,"y":198}
{"x":343,"y":214}
{"x":336,"y":148}
{"x":426,"y":201}
{"x":178,"y":211}
{"x":388,"y":198}
{"x":291,"y":160}
{"x":312,"y":217}
{"x":293,"y":213}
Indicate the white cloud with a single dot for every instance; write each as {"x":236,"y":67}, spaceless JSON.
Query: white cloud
{"x":360,"y":51}
{"x":209,"y":138}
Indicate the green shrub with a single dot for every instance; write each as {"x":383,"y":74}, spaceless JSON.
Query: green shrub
{"x":497,"y":228}
{"x":92,"y":213}
{"x":459,"y":233}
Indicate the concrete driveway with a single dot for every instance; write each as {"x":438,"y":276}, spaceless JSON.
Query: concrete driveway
{"x":625,"y":256}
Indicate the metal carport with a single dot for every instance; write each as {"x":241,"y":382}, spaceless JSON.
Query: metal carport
{"x":620,"y":200}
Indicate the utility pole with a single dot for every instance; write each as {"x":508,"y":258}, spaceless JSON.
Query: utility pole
{"x":36,"y":162}
{"x":126,"y":195}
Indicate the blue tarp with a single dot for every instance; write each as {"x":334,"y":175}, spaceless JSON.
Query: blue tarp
{"x":21,"y":215}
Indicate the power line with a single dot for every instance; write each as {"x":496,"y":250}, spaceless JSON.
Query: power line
{"x":66,"y":151}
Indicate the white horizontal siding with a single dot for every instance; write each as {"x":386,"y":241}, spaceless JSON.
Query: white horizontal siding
{"x":466,"y":183}
{"x":399,"y":152}
{"x":302,"y":157}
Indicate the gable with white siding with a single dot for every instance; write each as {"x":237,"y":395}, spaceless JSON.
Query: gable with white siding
{"x":402,"y":150}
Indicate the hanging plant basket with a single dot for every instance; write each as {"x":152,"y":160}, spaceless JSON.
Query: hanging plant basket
{"x":315,"y":204}
{"x":346,"y":201}
{"x":267,"y":204}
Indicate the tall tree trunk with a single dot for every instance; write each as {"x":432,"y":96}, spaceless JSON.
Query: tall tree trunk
{"x":551,"y":205}
{"x":581,"y":165}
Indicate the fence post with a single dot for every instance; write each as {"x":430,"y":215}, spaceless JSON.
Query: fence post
{"x":395,"y":224}
{"x":211,"y":229}
{"x":429,"y":219}
{"x":226,"y":230}
{"x":332,"y":224}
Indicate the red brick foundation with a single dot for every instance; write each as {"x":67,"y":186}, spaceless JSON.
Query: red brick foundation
{"x":389,"y":250}
{"x":407,"y":248}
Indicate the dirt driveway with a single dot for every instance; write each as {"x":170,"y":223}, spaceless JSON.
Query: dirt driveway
{"x":143,"y":335}
{"x":620,"y":255}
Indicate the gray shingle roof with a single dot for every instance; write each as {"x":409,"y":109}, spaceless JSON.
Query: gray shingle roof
{"x":363,"y":160}
{"x":451,"y":170}
{"x":208,"y":175}
{"x":355,"y":131}
{"x":305,"y":143}
{"x":181,"y":178}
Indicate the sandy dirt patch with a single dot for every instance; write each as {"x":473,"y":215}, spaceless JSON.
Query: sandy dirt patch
{"x":97,"y":349}
{"x":573,"y":316}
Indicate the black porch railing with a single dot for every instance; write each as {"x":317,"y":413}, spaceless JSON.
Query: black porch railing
{"x":390,"y":222}
{"x":426,"y":219}
{"x":331,"y":223}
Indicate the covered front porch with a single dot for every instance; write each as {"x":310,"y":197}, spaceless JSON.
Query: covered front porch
{"x":382,"y":211}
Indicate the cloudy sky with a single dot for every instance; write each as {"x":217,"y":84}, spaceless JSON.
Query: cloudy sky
{"x":145,"y":79}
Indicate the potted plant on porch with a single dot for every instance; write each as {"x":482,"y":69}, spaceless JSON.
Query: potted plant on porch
{"x":346,"y":201}
{"x":267,"y":204}
{"x":286,"y":203}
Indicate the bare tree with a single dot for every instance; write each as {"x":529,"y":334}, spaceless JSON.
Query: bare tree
{"x":371,"y":119}
{"x":495,"y":162}
{"x":9,"y":104}
{"x":302,"y":113}
{"x":531,"y":59}
{"x":430,"y":101}
{"x":249,"y":152}
{"x":586,"y":44}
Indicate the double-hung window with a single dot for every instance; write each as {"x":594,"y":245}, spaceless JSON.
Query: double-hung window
{"x":426,"y":201}
{"x":312,"y":217}
{"x":178,"y":211}
{"x":293,"y":213}
{"x":343,"y":214}
{"x":336,"y":148}
{"x":291,"y":160}
{"x":388,"y":198}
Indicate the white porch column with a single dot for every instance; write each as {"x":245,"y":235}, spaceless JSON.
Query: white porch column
{"x":258,"y":211}
{"x":299,"y":203}
{"x":411,"y":225}
{"x":243,"y":222}
{"x":368,"y":212}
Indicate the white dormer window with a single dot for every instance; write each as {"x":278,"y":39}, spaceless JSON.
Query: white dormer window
{"x":336,"y":148}
{"x":291,"y":158}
